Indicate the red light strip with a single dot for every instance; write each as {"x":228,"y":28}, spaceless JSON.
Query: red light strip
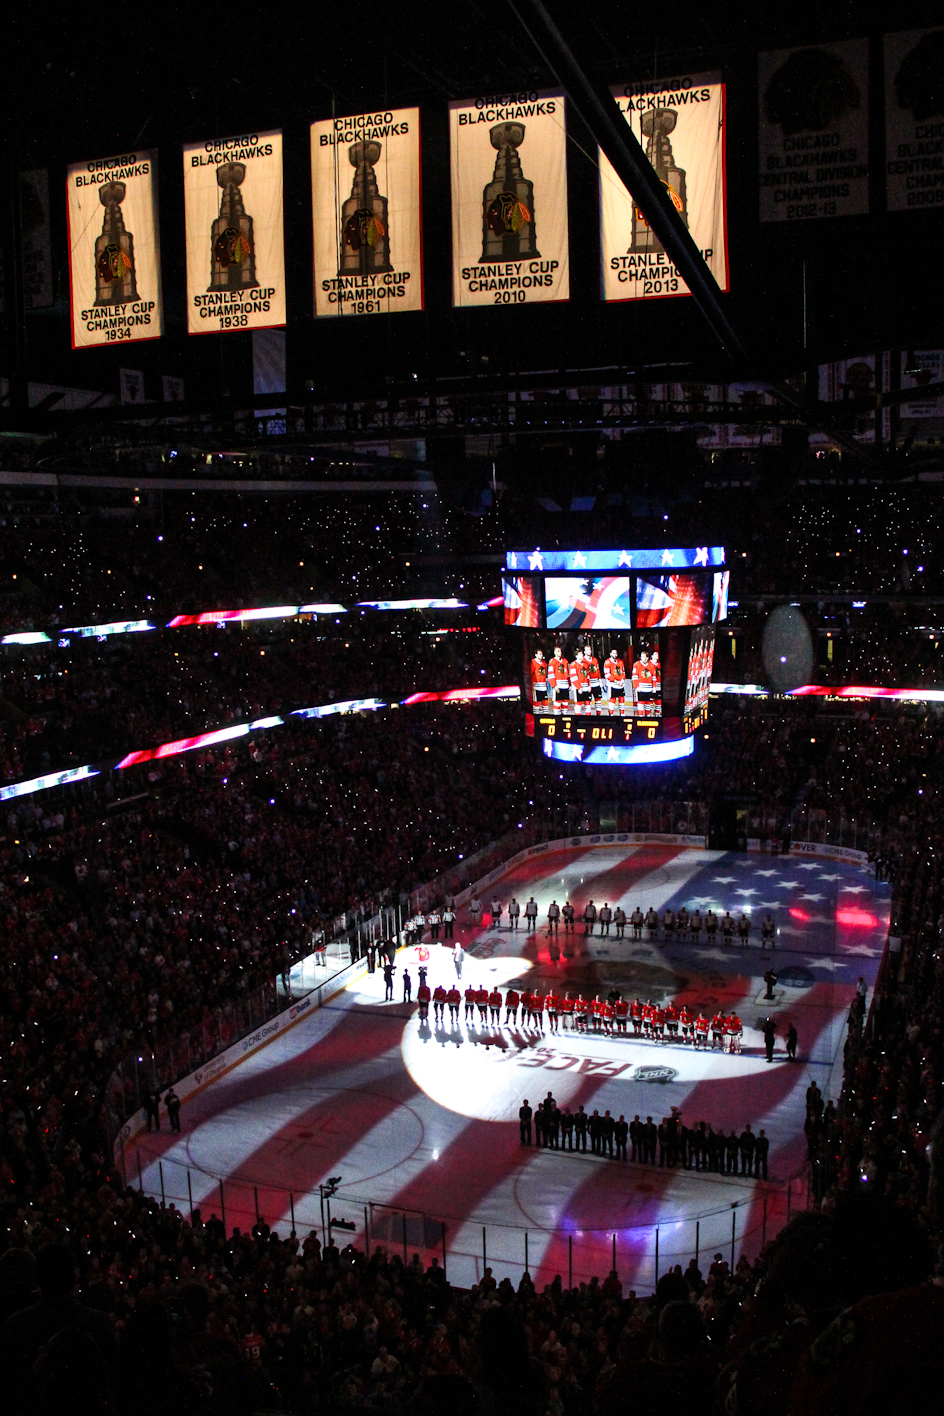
{"x":458,"y":695}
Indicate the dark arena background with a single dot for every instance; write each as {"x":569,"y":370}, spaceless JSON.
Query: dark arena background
{"x":471,"y":693}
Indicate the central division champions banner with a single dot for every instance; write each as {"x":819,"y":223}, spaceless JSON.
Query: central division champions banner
{"x":366,"y":213}
{"x":679,"y":123}
{"x":235,"y":249}
{"x":508,"y":159}
{"x":914,"y":120}
{"x":814,"y":129}
{"x":114,"y":251}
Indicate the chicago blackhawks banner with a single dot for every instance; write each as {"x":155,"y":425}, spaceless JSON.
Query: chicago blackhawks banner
{"x":114,"y":250}
{"x":914,"y":120}
{"x":509,"y":199}
{"x":366,"y":213}
{"x":235,"y":252}
{"x":680,"y":125}
{"x":814,"y":131}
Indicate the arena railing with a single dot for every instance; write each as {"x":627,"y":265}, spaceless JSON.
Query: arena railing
{"x":742,"y":1214}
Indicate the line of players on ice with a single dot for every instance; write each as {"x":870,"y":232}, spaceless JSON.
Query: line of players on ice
{"x":671,"y":924}
{"x":578,"y":686}
{"x":611,"y":1016}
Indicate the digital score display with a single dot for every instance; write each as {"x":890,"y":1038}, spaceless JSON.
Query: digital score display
{"x":616,"y":667}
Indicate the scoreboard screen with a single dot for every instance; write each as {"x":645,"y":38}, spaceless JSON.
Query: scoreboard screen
{"x":616,"y":666}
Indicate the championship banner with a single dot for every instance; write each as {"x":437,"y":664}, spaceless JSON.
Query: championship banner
{"x":679,"y":123}
{"x":367,"y":214}
{"x":508,"y":160}
{"x":814,"y":115}
{"x":114,"y":250}
{"x":235,"y":250}
{"x":914,"y":120}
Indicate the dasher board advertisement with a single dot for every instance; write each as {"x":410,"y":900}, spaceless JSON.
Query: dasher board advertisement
{"x":235,"y":248}
{"x":508,"y":161}
{"x":680,"y":125}
{"x":914,"y":120}
{"x":114,"y":250}
{"x":367,"y":213}
{"x":814,"y":122}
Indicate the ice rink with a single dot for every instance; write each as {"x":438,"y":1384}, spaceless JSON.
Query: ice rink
{"x":420,"y":1122}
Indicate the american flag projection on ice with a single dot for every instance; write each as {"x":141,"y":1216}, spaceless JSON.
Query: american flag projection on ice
{"x":666,"y":600}
{"x":598,"y":602}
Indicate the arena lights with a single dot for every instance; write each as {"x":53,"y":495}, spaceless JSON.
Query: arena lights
{"x":102,"y":631}
{"x":662,"y":557}
{"x":328,"y":710}
{"x":495,"y":603}
{"x":461,"y":695}
{"x":222,"y":616}
{"x":26,"y":636}
{"x":818,"y":690}
{"x":322,"y":609}
{"x":646,"y":752}
{"x":52,"y":779}
{"x":448,"y":604}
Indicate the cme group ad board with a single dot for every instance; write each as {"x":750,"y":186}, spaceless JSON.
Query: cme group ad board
{"x":235,"y":245}
{"x":367,"y":213}
{"x":508,"y":165}
{"x":114,"y":251}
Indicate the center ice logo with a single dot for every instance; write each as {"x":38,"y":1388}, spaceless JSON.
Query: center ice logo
{"x":655,"y":1073}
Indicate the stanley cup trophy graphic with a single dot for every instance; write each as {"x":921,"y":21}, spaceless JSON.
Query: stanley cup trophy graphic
{"x":115,"y":282}
{"x":233,"y":251}
{"x":365,"y":243}
{"x":657,"y":124}
{"x":508,"y":201}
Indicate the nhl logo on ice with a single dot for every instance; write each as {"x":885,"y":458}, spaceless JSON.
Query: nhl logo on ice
{"x":654,"y":1073}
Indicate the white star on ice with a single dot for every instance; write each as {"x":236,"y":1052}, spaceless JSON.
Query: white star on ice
{"x":625,"y":558}
{"x":667,"y":558}
{"x":701,"y":555}
{"x":861,"y":949}
{"x":747,"y":892}
{"x":535,"y":561}
{"x":767,"y":904}
{"x":512,"y":561}
{"x":787,"y":884}
{"x":580,"y":560}
{"x":812,"y":897}
{"x":807,"y":867}
{"x":711,"y":954}
{"x":765,"y":872}
{"x":833,"y":965}
{"x":855,"y":889}
{"x":723,"y":879}
{"x":830,"y":877}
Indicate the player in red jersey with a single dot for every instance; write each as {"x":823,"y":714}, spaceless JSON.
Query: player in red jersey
{"x":580,"y":682}
{"x":615,"y":673}
{"x":655,"y":668}
{"x":717,"y":1031}
{"x":494,"y":1007}
{"x":609,"y":1013}
{"x":671,"y":1021}
{"x":596,"y":1013}
{"x":439,"y":1002}
{"x":593,"y":673}
{"x":635,"y":1013}
{"x":539,"y":680}
{"x":511,"y":1007}
{"x":422,"y":997}
{"x":558,"y":680}
{"x":454,"y":998}
{"x":470,"y":996}
{"x":649,"y":1019}
{"x":481,"y":1002}
{"x":525,"y":1007}
{"x":701,"y":1030}
{"x":580,"y":1013}
{"x":537,"y":1010}
{"x":685,"y":1023}
{"x":552,"y":1004}
{"x":567,"y":1010}
{"x":643,"y":693}
{"x":733,"y":1031}
{"x":659,"y":1022}
{"x":621,"y":1012}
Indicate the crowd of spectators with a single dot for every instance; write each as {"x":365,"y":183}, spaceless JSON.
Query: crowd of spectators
{"x":158,"y":898}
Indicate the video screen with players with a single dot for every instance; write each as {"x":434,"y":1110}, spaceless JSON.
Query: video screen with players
{"x":618,"y":647}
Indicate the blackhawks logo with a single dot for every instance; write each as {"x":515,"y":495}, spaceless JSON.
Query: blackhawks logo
{"x":112,"y":263}
{"x":506,"y":214}
{"x":231,"y":247}
{"x":363,"y":229}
